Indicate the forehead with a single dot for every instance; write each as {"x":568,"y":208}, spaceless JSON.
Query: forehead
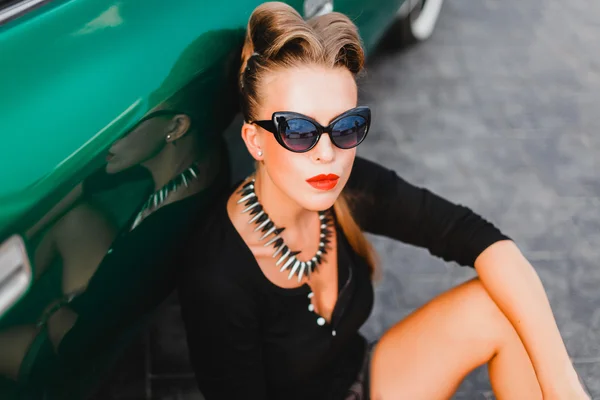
{"x":319,"y":92}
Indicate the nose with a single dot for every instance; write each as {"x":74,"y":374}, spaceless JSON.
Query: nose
{"x":324,"y":151}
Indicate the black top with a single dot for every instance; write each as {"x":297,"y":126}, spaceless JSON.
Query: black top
{"x":249,"y":338}
{"x":139,"y":271}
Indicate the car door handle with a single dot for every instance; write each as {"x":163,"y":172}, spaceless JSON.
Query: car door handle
{"x":314,"y":8}
{"x":15,"y":272}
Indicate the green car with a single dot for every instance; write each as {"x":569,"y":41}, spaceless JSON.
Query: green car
{"x":94,"y":199}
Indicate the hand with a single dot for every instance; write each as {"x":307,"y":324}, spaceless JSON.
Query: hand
{"x":581,"y":393}
{"x":570,"y":391}
{"x":577,"y":394}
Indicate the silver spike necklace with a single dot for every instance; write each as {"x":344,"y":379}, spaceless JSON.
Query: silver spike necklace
{"x":287,"y":257}
{"x":157,"y":198}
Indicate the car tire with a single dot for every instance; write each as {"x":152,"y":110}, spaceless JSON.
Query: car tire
{"x":415,"y":22}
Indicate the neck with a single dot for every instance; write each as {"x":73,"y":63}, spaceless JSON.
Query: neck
{"x":282,"y":210}
{"x":172,"y":160}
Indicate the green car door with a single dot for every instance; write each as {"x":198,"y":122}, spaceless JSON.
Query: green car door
{"x":88,"y":234}
{"x":83,"y":83}
{"x":373,"y":17}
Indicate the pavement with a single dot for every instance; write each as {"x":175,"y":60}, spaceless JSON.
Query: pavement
{"x":499,"y":111}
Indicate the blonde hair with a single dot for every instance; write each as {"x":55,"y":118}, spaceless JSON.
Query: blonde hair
{"x":277,"y":37}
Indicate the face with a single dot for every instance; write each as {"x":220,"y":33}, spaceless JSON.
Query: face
{"x":143,"y":143}
{"x":322,"y":94}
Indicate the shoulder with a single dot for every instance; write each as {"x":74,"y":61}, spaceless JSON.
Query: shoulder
{"x":377,"y":195}
{"x":370,"y":177}
{"x":364,"y":171}
{"x":370,"y":183}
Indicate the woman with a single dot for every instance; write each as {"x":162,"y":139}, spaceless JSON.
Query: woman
{"x":183,"y":166}
{"x":279,"y":281}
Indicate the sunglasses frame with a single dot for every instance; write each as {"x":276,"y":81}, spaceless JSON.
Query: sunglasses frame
{"x":159,"y":113}
{"x":274,"y":124}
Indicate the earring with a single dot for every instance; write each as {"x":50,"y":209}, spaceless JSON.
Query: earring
{"x":260,"y":153}
{"x":169,"y":136}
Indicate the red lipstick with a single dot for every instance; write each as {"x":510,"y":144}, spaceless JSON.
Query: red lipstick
{"x":323,"y":182}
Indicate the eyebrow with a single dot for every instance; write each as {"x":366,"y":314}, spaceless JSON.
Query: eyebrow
{"x":328,"y":122}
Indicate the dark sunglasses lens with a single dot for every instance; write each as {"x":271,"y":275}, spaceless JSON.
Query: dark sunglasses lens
{"x":349,"y":131}
{"x":299,"y":134}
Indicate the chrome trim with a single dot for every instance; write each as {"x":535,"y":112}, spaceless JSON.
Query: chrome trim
{"x":15,"y":272}
{"x":16,"y":10}
{"x":315,"y":8}
{"x":407,"y":7}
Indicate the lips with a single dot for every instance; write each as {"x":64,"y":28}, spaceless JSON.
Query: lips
{"x":109,"y":156}
{"x":323,"y":182}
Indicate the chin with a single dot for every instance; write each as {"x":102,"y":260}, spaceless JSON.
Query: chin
{"x":114,"y":168}
{"x":319,"y":202}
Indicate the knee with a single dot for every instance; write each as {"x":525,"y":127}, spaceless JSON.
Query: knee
{"x":486,"y":313}
{"x":468,"y":314}
{"x":481,"y":302}
{"x":463,"y":315}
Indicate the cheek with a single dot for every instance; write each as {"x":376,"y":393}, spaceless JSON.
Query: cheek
{"x":346,"y":159}
{"x":140,"y":145}
{"x":289,"y":172}
{"x":285,"y":168}
{"x":282,"y":165}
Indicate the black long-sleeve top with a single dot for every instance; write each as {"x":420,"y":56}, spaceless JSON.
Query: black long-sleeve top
{"x":250,"y":339}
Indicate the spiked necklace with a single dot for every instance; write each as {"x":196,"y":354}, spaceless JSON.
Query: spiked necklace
{"x":157,"y":198}
{"x":287,"y":257}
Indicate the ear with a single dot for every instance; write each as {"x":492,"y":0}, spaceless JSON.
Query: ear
{"x":252,"y":137}
{"x":177,"y":127}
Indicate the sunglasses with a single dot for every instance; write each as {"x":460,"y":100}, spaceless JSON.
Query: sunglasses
{"x":155,"y":114}
{"x":299,"y":133}
{"x":160,"y":113}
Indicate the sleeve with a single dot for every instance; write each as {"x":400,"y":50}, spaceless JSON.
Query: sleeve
{"x":385,"y":204}
{"x":221,"y":322}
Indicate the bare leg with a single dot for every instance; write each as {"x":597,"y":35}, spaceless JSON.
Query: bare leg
{"x":427,"y":355}
{"x":14,"y":342}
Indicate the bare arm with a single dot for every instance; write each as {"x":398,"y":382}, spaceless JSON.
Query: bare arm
{"x":517,"y":290}
{"x":56,"y":212}
{"x":385,"y":204}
